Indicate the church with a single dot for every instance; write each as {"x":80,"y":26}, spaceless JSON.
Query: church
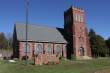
{"x":48,"y":44}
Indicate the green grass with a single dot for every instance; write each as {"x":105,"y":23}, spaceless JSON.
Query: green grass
{"x":84,"y":66}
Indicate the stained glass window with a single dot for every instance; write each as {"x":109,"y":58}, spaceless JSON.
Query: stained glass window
{"x":38,"y":49}
{"x":49,"y":50}
{"x":81,"y":18}
{"x":58,"y":49}
{"x":26,"y":50}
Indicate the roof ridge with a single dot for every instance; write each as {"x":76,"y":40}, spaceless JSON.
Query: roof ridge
{"x":37,"y":25}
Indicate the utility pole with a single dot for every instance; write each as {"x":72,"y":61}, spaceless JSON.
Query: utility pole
{"x":26,"y":6}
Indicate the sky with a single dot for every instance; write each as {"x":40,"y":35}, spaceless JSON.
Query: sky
{"x":50,"y":13}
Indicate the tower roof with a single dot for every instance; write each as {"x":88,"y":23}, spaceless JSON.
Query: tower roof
{"x":75,"y":8}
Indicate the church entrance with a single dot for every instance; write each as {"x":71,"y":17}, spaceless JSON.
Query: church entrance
{"x":81,"y":51}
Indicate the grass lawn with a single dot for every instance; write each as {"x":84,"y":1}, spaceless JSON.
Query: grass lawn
{"x":85,"y":66}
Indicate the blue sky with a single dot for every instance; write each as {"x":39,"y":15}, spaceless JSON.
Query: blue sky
{"x":50,"y":13}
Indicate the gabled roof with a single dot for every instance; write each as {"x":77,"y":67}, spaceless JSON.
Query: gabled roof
{"x":38,"y":33}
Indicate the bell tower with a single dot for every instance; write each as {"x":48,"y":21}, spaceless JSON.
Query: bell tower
{"x":76,"y":32}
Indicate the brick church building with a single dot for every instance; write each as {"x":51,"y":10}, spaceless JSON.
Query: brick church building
{"x":76,"y":33}
{"x":46,"y":43}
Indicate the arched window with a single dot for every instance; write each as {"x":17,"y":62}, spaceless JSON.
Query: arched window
{"x":26,"y":49}
{"x":49,"y":49}
{"x":78,"y":18}
{"x":38,"y":49}
{"x":82,"y":19}
{"x":58,"y":49}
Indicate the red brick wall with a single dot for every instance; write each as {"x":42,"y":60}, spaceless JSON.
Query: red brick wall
{"x":44,"y":49}
{"x":78,"y":30}
{"x":21,"y":49}
{"x":83,"y":34}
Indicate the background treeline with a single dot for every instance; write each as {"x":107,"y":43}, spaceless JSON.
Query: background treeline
{"x":5,"y":42}
{"x":99,"y":46}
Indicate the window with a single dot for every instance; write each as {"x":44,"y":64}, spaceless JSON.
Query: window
{"x":81,"y":18}
{"x":58,"y":49}
{"x":78,"y":17}
{"x":38,"y":49}
{"x":26,"y":49}
{"x":49,"y":49}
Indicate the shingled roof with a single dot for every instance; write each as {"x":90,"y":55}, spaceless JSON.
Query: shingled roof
{"x":38,"y":33}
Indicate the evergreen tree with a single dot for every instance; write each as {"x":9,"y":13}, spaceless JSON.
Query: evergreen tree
{"x":98,"y":45}
{"x":3,"y":41}
{"x":108,"y":45}
{"x":93,"y":43}
{"x":101,"y":46}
